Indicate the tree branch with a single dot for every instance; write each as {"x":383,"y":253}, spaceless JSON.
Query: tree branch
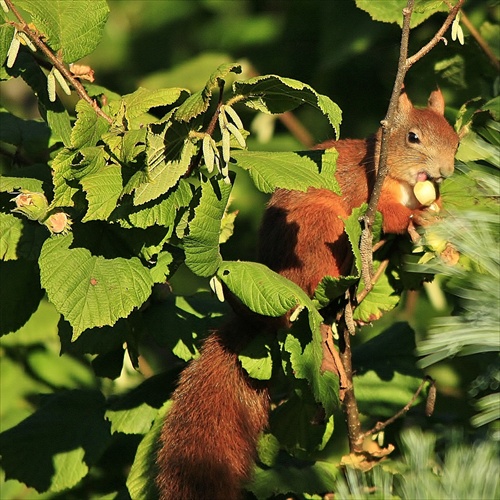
{"x":382,"y":425}
{"x":351,"y":412}
{"x":404,"y":64}
{"x":480,"y":40}
{"x":436,"y":38}
{"x":387,"y":123}
{"x":349,"y":403}
{"x":35,"y":37}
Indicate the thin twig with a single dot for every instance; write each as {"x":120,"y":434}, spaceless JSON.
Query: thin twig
{"x":436,"y":38}
{"x":378,"y":245}
{"x":295,"y":127}
{"x":349,"y":403}
{"x":35,"y":37}
{"x":380,"y":271}
{"x":382,"y":425}
{"x":480,"y":40}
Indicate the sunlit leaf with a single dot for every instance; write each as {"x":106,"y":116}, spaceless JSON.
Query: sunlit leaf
{"x":91,"y":290}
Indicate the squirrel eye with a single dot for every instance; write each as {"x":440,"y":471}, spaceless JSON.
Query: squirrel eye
{"x":413,"y":138}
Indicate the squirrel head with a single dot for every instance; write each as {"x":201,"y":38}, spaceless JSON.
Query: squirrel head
{"x":422,"y":144}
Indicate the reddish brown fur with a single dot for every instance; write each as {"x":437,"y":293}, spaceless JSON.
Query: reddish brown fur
{"x":209,"y":438}
{"x":302,"y":234}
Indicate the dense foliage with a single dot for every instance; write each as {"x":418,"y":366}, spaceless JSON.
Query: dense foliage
{"x":129,"y":206}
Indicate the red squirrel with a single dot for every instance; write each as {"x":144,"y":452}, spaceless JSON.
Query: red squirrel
{"x":208,"y":441}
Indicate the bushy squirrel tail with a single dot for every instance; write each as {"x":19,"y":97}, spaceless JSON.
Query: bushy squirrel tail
{"x":208,"y":441}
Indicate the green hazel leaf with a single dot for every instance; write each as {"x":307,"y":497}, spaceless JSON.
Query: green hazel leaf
{"x":390,"y":351}
{"x":493,"y":107}
{"x":391,"y":11}
{"x":30,"y":334}
{"x":256,"y":358}
{"x":141,"y":480}
{"x":386,"y":372}
{"x":134,"y":420}
{"x":201,"y":246}
{"x":220,"y":74}
{"x":60,"y":125}
{"x":330,"y":288}
{"x":227,"y":226}
{"x":275,"y":94}
{"x":103,"y":189}
{"x":6,"y":35}
{"x":268,"y":448}
{"x":75,"y":28}
{"x":353,"y":231}
{"x":383,"y":297}
{"x":90,"y":160}
{"x":89,"y":126}
{"x":291,"y":423}
{"x":172,"y":315}
{"x":91,"y":291}
{"x":103,"y":340}
{"x":452,"y":71}
{"x":308,"y":477}
{"x":161,"y":212}
{"x":168,"y":159}
{"x":263,"y":291}
{"x":142,"y":100}
{"x":135,"y":411}
{"x":21,"y":238}
{"x":270,"y":294}
{"x":162,"y":269}
{"x":306,"y":358}
{"x":132,"y":143}
{"x":11,"y":184}
{"x":289,"y":170}
{"x":199,"y":101}
{"x":20,"y":294}
{"x":62,"y":172}
{"x":11,"y":228}
{"x":53,"y":449}
{"x":193,"y":106}
{"x":30,"y":135}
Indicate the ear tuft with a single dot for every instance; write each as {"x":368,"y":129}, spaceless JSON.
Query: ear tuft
{"x":404,"y":103}
{"x":436,"y":102}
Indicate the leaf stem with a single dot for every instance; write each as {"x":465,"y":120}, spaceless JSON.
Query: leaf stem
{"x":35,"y":37}
{"x":382,"y":425}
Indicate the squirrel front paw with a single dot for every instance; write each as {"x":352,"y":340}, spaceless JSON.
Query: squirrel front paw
{"x":425,"y":216}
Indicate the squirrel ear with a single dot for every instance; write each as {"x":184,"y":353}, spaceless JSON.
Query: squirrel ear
{"x":404,"y":103}
{"x":436,"y":102}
